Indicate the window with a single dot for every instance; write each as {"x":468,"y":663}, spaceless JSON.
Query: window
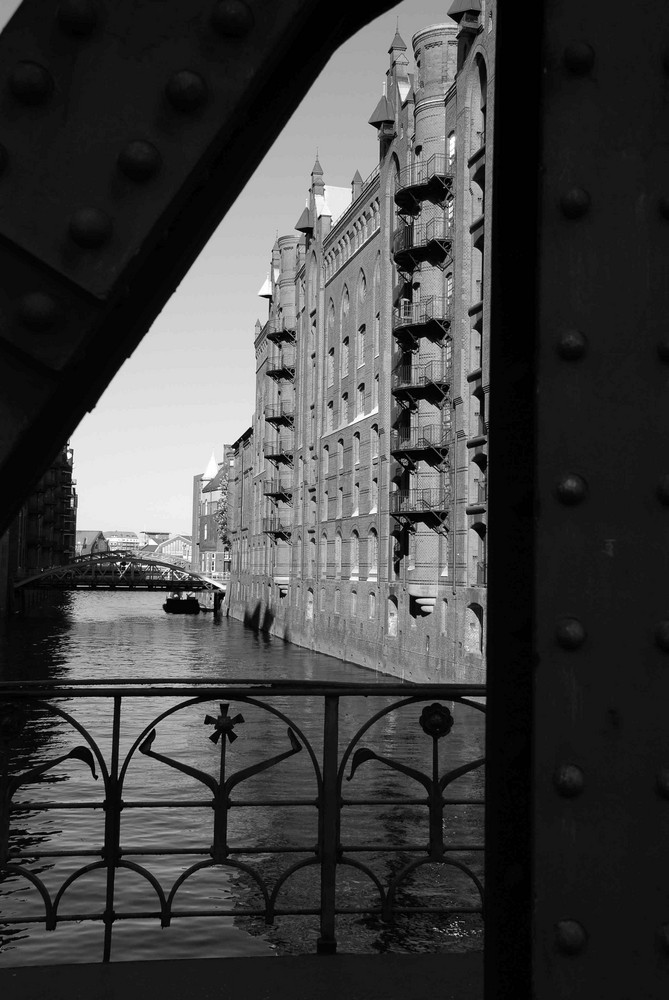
{"x":356,"y":449}
{"x":344,"y":408}
{"x":377,"y":334}
{"x":340,"y":502}
{"x":355,"y":555}
{"x":374,"y":434}
{"x":331,"y":366}
{"x":356,"y":499}
{"x":374,"y":496}
{"x":344,"y":356}
{"x":361,"y":346}
{"x":329,"y":416}
{"x":373,"y":553}
{"x":324,"y":509}
{"x":326,"y":459}
{"x":340,"y":453}
{"x":375,"y":393}
{"x":323,"y":558}
{"x":337,"y":602}
{"x":206,"y":531}
{"x":372,"y":605}
{"x":338,"y":555}
{"x":354,"y":604}
{"x":360,"y":400}
{"x":450,"y":146}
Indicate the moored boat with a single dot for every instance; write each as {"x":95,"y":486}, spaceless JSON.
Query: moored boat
{"x":178,"y":605}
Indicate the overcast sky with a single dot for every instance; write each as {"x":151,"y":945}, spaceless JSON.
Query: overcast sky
{"x":189,"y":386}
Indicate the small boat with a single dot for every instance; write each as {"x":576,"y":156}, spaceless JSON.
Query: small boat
{"x":178,"y":605}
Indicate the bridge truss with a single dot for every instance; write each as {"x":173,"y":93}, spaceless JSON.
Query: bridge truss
{"x":117,"y":571}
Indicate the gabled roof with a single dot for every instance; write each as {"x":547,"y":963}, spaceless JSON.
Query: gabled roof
{"x":383,"y":112}
{"x":397,"y":43}
{"x":218,"y":480}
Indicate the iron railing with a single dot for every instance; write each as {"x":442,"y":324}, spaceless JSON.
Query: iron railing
{"x":280,"y":412}
{"x":59,"y":738}
{"x":435,"y":308}
{"x":419,"y":376}
{"x":433,"y":498}
{"x":277,"y":526}
{"x":416,"y":235}
{"x":422,"y":171}
{"x":422,"y":437}
{"x":279,"y":446}
{"x":281,"y":363}
{"x":277,"y":487}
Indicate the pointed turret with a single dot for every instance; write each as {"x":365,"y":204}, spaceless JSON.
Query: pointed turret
{"x":459,"y":8}
{"x":317,"y":182}
{"x":356,"y":185}
{"x":383,"y":113}
{"x":397,"y":43}
{"x":304,"y":224}
{"x":266,"y":290}
{"x":212,"y":468}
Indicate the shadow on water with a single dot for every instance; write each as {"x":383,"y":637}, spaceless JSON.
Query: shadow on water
{"x":261,"y":623}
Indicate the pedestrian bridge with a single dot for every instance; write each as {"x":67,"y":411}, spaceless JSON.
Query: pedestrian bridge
{"x":118,"y":571}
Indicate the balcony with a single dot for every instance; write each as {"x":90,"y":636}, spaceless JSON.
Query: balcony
{"x":279,"y":450}
{"x":282,"y":331}
{"x":280,"y":414}
{"x":278,"y":526}
{"x":430,"y":318}
{"x":430,"y":381}
{"x":428,"y":443}
{"x":281,"y":364}
{"x":427,"y":242}
{"x":278,"y":489}
{"x":425,"y":180}
{"x":430,"y":506}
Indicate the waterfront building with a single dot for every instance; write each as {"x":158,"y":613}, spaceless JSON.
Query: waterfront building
{"x":175,"y":549}
{"x":43,"y":533}
{"x":122,"y":541}
{"x":210,"y":551}
{"x":90,"y":543}
{"x":360,"y":488}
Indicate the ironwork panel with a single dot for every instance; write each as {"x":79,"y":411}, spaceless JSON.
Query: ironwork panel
{"x":127,"y":131}
{"x":601,"y":818}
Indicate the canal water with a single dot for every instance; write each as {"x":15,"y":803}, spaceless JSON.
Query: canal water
{"x":103,"y":636}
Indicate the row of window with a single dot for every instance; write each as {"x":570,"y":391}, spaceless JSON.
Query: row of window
{"x":373,"y":444}
{"x":345,"y":414}
{"x":361,"y":230}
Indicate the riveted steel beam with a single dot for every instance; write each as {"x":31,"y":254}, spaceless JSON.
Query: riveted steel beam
{"x":127,"y":129}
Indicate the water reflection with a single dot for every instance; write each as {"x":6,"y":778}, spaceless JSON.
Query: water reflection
{"x":98,"y":635}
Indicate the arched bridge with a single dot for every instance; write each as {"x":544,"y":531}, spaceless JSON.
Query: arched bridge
{"x":117,"y":571}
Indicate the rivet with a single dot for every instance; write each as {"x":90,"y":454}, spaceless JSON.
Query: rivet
{"x":662,"y":937}
{"x":570,"y":633}
{"x":572,"y":345}
{"x":77,"y":17}
{"x":139,"y":160}
{"x":38,"y":311}
{"x":90,"y":227}
{"x":579,"y":58}
{"x":571,"y":489}
{"x":570,"y":936}
{"x":575,"y":202}
{"x":186,"y":91}
{"x":662,"y":490}
{"x":30,"y":83}
{"x":662,"y":636}
{"x":662,"y":782}
{"x":568,"y":780}
{"x":232,"y":18}
{"x":3,"y":158}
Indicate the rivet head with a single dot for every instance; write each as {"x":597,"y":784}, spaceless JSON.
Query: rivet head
{"x":662,"y":636}
{"x":90,"y":227}
{"x":571,"y":489}
{"x":38,"y":311}
{"x":77,"y":17}
{"x":568,"y":780}
{"x":31,"y":83}
{"x":232,"y":18}
{"x":139,"y":160}
{"x":570,"y":633}
{"x":570,"y":937}
{"x":572,"y":345}
{"x":662,"y":782}
{"x":186,"y":91}
{"x":575,"y":203}
{"x":579,"y":58}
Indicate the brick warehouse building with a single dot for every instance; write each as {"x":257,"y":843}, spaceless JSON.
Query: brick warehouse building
{"x":358,"y":496}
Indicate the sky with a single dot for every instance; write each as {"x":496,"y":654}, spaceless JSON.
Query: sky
{"x":189,"y":387}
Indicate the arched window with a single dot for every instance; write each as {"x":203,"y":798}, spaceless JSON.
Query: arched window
{"x":474,"y":629}
{"x":392,"y":616}
{"x":444,"y":616}
{"x":360,"y":350}
{"x":374,"y":496}
{"x":331,"y":316}
{"x":362,"y":287}
{"x":374,"y":440}
{"x":343,"y":417}
{"x":331,"y":366}
{"x":375,"y":392}
{"x":345,"y":304}
{"x":372,"y":604}
{"x":340,"y":453}
{"x":309,"y":610}
{"x":356,"y":500}
{"x":323,"y":558}
{"x":360,"y":400}
{"x":326,"y":460}
{"x":354,"y":604}
{"x":340,"y":502}
{"x":338,"y":555}
{"x":372,"y":553}
{"x":450,"y":150}
{"x":355,"y":555}
{"x":344,"y":356}
{"x":356,"y":449}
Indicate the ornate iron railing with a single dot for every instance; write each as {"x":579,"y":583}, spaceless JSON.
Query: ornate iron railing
{"x":100,"y":740}
{"x":434,"y":498}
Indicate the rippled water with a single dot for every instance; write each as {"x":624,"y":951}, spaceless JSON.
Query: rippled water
{"x":117,"y":635}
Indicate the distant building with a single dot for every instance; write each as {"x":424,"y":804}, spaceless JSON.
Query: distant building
{"x":210,"y":553}
{"x":43,"y":533}
{"x":152,"y":537}
{"x":90,"y":543}
{"x":123,"y":541}
{"x":176,"y":549}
